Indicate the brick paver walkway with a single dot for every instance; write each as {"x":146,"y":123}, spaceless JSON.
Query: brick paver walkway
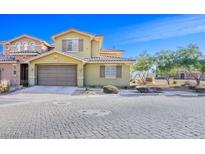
{"x":62,"y":116}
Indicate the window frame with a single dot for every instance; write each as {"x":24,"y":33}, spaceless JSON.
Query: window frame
{"x":14,"y":69}
{"x":109,"y":69}
{"x":72,"y":46}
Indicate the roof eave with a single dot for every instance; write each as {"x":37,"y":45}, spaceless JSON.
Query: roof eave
{"x":77,"y":31}
{"x":48,"y":53}
{"x":111,"y":62}
{"x":8,"y":61}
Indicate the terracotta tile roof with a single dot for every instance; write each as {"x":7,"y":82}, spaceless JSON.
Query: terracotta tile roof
{"x":7,"y":58}
{"x":110,"y":50}
{"x":75,"y":30}
{"x":25,"y":51}
{"x":102,"y":58}
{"x":109,"y":59}
{"x":74,"y":55}
{"x":27,"y":36}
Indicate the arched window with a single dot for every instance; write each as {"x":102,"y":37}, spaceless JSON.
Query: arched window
{"x":18,"y":46}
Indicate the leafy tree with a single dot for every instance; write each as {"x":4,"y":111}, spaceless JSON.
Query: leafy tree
{"x":165,"y":63}
{"x":143,"y":64}
{"x":191,"y":59}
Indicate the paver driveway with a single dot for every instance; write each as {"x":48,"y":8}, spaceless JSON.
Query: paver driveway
{"x":49,"y":89}
{"x":62,"y":116}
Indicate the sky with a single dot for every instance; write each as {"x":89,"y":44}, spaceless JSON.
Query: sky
{"x":131,"y":33}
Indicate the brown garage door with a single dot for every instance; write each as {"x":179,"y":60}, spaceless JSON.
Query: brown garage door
{"x":57,"y":75}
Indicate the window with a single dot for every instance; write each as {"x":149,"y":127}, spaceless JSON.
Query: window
{"x":72,"y":45}
{"x":14,"y":69}
{"x":18,"y":46}
{"x":110,"y":71}
{"x":32,"y":45}
{"x":25,"y":46}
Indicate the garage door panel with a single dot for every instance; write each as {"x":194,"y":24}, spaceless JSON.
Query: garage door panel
{"x":57,"y":75}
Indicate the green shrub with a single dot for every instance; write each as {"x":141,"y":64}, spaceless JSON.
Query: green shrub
{"x":174,"y":82}
{"x":5,"y":87}
{"x":142,"y":89}
{"x":110,"y":89}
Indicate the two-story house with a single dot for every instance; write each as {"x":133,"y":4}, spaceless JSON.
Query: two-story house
{"x":76,"y":59}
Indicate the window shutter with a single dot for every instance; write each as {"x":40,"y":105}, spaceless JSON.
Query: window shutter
{"x":80,"y":44}
{"x":119,"y":72}
{"x":102,"y":71}
{"x":64,"y":45}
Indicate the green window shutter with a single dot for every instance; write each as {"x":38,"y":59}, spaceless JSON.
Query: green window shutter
{"x":119,"y":72}
{"x":102,"y":71}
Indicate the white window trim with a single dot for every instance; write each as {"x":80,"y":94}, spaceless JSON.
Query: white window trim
{"x":110,"y":75}
{"x":71,"y":40}
{"x":14,"y":69}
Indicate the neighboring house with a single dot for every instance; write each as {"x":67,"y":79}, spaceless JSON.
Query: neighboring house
{"x":75,"y":59}
{"x":184,"y":75}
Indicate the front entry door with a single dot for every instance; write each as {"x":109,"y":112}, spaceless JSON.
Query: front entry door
{"x":24,"y":73}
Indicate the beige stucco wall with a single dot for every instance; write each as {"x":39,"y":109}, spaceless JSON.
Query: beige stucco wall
{"x":55,"y":59}
{"x":92,"y":76}
{"x":95,"y":48}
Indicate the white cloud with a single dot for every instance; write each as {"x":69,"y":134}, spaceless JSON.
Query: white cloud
{"x":158,"y":29}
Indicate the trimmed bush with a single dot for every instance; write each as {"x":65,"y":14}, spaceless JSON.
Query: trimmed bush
{"x":110,"y":89}
{"x":142,"y":89}
{"x":174,"y":82}
{"x":5,"y":86}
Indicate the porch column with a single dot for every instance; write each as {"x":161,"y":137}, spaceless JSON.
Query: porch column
{"x":80,"y":75}
{"x":31,"y":74}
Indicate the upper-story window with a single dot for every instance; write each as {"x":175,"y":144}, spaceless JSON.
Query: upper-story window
{"x":18,"y":46}
{"x":26,"y":46}
{"x":32,"y":45}
{"x":72,"y":45}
